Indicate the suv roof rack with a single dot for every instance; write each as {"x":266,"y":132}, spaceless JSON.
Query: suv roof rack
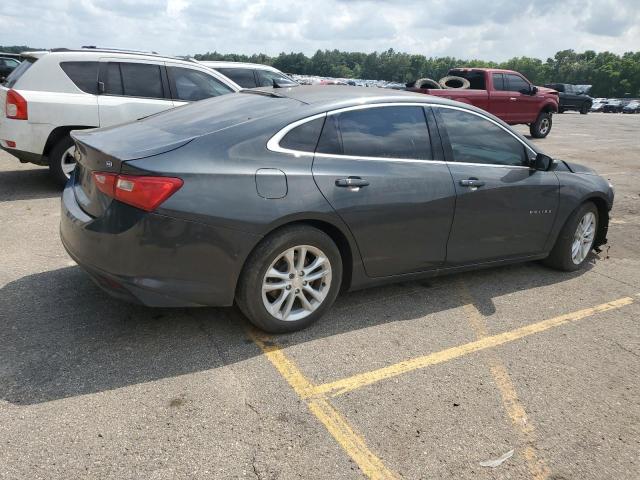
{"x":103,"y":49}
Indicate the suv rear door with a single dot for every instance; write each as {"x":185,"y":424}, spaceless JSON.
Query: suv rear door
{"x":131,"y":89}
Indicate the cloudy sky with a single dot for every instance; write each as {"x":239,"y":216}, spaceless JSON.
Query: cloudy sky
{"x":491,"y":30}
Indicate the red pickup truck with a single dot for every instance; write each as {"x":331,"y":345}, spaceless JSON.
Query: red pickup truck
{"x":506,"y":94}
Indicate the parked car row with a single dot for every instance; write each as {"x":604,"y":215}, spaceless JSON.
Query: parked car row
{"x":615,"y":105}
{"x":54,"y":92}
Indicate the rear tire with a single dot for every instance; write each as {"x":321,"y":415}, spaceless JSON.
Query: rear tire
{"x":61,"y":161}
{"x":542,"y":126}
{"x":279,"y":288}
{"x":584,"y":109}
{"x":565,"y":255}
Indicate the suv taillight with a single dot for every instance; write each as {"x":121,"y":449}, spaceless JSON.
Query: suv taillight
{"x":16,"y":106}
{"x":140,"y":191}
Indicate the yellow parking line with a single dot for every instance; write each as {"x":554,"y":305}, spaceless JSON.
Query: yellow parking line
{"x":345,"y":385}
{"x":512,"y":405}
{"x":352,"y":443}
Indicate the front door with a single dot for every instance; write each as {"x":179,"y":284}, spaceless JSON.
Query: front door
{"x":523,"y":106}
{"x":376,"y":168}
{"x":504,"y":209}
{"x":131,"y":90}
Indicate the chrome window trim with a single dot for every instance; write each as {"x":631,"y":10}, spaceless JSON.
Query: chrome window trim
{"x":274,"y":142}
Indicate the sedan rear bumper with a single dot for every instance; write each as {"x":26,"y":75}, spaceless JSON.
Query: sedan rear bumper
{"x":153,"y":259}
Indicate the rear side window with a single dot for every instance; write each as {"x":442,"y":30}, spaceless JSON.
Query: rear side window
{"x":142,"y":80}
{"x":475,"y":139}
{"x":516,"y":83}
{"x":388,"y":132}
{"x":192,"y":85}
{"x":18,"y":72}
{"x":498,"y":81}
{"x":83,"y":74}
{"x":242,"y":76}
{"x":303,"y":138}
{"x":476,"y":79}
{"x":113,"y":80}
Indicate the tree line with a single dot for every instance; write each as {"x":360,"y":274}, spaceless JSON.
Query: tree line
{"x":610,"y":74}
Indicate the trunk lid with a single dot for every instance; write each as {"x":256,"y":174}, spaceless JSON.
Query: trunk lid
{"x":106,"y":149}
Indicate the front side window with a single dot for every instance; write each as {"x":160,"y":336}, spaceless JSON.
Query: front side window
{"x":193,"y":85}
{"x":242,"y":76}
{"x":142,"y":80}
{"x":475,"y":139}
{"x":388,"y":132}
{"x":83,"y":74}
{"x":266,"y":78}
{"x":516,"y":83}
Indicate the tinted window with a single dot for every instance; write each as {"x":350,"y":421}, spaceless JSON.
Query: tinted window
{"x":498,"y":81}
{"x":477,"y":140}
{"x":192,"y":85}
{"x":516,"y":83}
{"x":330,"y":141}
{"x":242,"y":76}
{"x":476,"y":79}
{"x":389,"y":132}
{"x":142,"y":80}
{"x":18,"y":72}
{"x":113,"y":81}
{"x":266,"y":78}
{"x":304,"y":137}
{"x":83,"y":74}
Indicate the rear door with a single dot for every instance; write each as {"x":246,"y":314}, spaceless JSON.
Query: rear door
{"x":504,"y":209}
{"x":500,"y":98}
{"x":131,"y":89}
{"x":383,"y":173}
{"x":523,"y":107}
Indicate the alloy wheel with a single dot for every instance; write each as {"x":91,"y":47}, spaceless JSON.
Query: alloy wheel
{"x":544,"y":126}
{"x":296,"y":283}
{"x":583,"y":238}
{"x":68,"y":161}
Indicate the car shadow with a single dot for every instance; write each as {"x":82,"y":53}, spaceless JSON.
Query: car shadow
{"x":62,"y":336}
{"x":27,"y":184}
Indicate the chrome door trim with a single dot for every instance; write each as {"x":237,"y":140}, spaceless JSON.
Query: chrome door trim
{"x":274,"y":142}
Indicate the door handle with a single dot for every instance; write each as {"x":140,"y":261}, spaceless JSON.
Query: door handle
{"x":513,"y":99}
{"x":354,"y":182}
{"x":472,"y":182}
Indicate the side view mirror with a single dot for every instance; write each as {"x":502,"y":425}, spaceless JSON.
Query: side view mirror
{"x":533,"y":90}
{"x":542,"y":162}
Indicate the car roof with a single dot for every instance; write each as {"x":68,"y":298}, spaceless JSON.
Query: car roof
{"x":335,"y":95}
{"x":222,"y":64}
{"x":101,"y":52}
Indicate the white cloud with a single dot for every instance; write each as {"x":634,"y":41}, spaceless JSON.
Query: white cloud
{"x":491,"y":30}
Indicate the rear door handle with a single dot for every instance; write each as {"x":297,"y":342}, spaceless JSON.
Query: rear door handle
{"x":355,"y":182}
{"x":472,"y":182}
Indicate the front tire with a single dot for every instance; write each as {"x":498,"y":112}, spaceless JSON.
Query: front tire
{"x":542,"y":126}
{"x":61,"y":160}
{"x":584,"y":109}
{"x":575,"y":241}
{"x":290,"y":280}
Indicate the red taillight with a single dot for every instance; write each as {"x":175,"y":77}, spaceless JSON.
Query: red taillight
{"x":143,"y":192}
{"x":16,"y":106}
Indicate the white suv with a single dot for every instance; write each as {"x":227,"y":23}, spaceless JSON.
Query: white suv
{"x":251,"y":75}
{"x":54,"y":92}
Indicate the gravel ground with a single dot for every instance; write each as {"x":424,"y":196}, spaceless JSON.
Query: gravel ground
{"x":94,"y":388}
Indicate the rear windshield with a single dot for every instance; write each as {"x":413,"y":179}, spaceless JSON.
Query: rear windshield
{"x":18,"y":72}
{"x":476,"y":79}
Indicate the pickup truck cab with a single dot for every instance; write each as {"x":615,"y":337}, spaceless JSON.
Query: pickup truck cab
{"x":506,"y":94}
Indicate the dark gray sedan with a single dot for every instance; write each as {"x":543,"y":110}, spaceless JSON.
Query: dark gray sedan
{"x":278,"y":199}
